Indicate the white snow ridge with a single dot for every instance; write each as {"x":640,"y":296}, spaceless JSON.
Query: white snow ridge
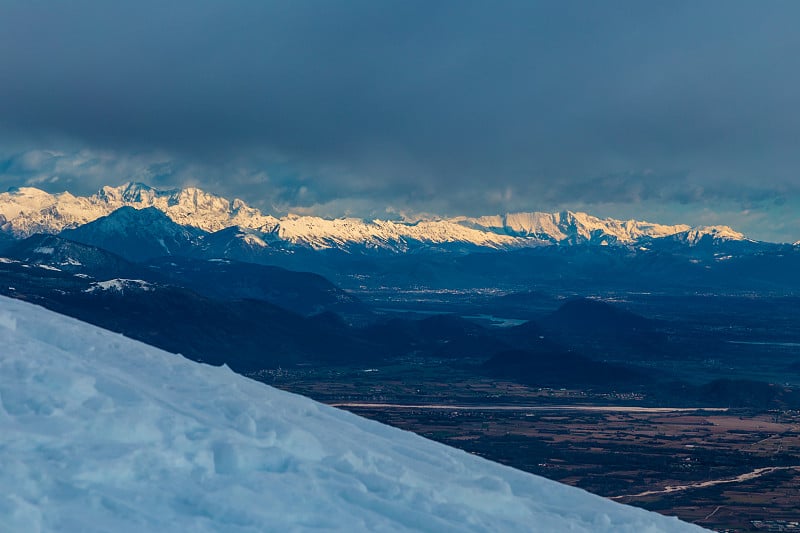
{"x":102,"y":433}
{"x":26,"y":210}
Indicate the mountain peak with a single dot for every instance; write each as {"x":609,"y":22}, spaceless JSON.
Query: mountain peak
{"x":137,"y":234}
{"x":130,"y":192}
{"x":700,"y":234}
{"x":128,"y":211}
{"x":27,"y":191}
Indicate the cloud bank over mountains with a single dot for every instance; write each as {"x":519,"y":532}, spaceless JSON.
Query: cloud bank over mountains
{"x":458,"y":107}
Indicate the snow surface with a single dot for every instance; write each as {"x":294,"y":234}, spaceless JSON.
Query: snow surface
{"x":102,"y":433}
{"x":27,"y":210}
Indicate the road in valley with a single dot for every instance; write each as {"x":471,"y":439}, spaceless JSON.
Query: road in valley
{"x":595,"y":408}
{"x":758,"y":472}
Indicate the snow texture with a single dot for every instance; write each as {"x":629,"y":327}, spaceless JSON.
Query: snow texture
{"x":99,"y":433}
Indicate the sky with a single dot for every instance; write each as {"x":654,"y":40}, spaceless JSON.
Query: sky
{"x":674,"y":112}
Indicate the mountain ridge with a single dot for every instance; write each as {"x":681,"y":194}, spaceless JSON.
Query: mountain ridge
{"x":27,"y":210}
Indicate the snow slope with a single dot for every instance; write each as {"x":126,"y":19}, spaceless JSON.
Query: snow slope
{"x":102,"y":433}
{"x":26,"y":210}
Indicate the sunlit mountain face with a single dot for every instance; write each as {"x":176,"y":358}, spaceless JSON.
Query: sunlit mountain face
{"x":28,"y":210}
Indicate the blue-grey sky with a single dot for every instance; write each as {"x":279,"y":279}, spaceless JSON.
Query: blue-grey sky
{"x":681,"y":111}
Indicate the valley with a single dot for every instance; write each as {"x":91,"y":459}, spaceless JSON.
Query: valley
{"x":724,"y":469}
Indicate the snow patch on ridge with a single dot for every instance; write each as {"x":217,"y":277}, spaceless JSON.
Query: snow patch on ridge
{"x":120,"y":285}
{"x":103,"y":433}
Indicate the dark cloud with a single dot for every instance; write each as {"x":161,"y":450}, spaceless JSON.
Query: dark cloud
{"x":450,"y":106}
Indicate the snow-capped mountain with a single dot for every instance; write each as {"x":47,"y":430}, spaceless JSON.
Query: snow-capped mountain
{"x":573,"y":228}
{"x":188,"y":207}
{"x":695,"y":236}
{"x":27,"y":210}
{"x":24,"y":211}
{"x":102,"y":433}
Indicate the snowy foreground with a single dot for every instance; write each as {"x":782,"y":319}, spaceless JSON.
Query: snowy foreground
{"x":102,"y":433}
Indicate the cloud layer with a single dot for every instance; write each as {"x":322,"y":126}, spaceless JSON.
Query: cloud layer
{"x":448,"y":106}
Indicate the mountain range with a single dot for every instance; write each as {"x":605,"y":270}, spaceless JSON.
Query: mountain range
{"x":568,"y":251}
{"x":26,"y":210}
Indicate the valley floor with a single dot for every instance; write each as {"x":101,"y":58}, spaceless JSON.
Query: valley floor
{"x":724,"y":469}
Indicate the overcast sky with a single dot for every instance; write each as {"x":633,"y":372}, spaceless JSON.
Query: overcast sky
{"x":668,"y":111}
